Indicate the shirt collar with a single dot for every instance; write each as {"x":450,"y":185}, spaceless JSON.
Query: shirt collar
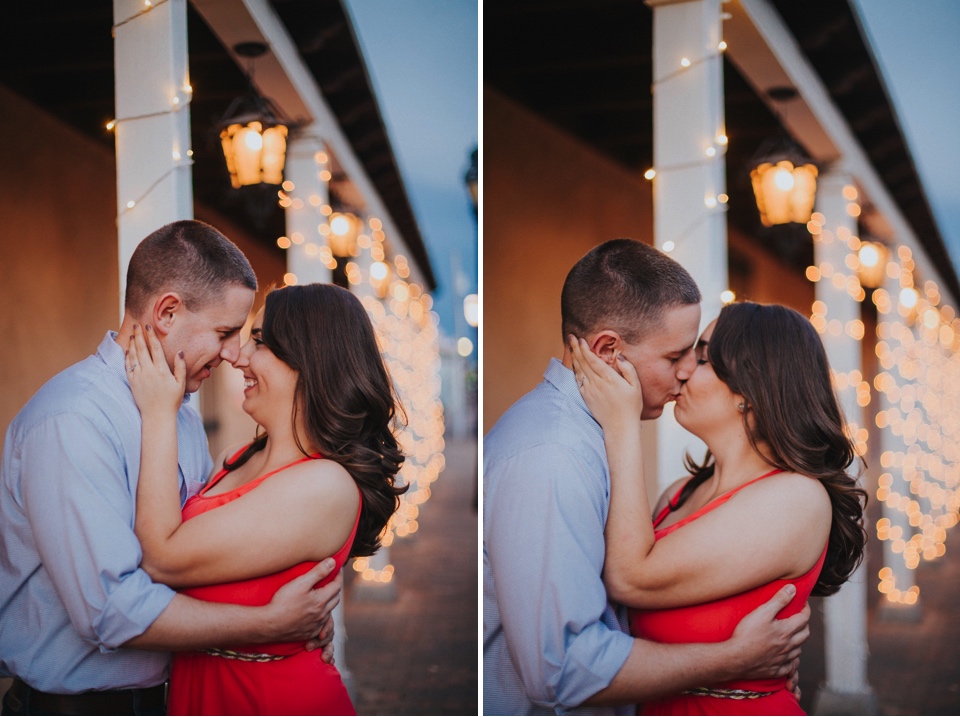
{"x":563,"y":379}
{"x":113,"y":356}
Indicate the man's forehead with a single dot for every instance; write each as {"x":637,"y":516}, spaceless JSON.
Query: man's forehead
{"x":231,"y":309}
{"x":675,"y":332}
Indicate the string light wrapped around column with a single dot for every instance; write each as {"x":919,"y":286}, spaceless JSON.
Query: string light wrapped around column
{"x":407,"y":331}
{"x":918,"y":347}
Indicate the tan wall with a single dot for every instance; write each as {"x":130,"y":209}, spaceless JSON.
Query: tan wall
{"x":540,"y":217}
{"x":58,"y":249}
{"x":59,"y":259}
{"x":771,"y":282}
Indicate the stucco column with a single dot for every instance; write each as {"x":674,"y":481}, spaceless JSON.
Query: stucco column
{"x":306,"y":161}
{"x":152,"y":95}
{"x":689,"y":144}
{"x":845,"y":613}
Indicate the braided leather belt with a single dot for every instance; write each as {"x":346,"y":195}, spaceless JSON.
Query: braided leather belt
{"x":725,"y":693}
{"x":244,"y":656}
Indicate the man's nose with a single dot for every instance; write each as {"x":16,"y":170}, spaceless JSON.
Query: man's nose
{"x":686,"y":366}
{"x":230,"y":349}
{"x":243,"y":358}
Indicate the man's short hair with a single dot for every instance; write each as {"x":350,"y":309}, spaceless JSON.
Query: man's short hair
{"x":190,"y":258}
{"x":623,"y":285}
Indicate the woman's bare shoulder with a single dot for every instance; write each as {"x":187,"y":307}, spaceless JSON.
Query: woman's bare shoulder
{"x":324,"y":481}
{"x":783,"y":493}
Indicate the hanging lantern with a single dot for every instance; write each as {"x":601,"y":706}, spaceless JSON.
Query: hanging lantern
{"x":872,"y":267}
{"x":784,"y":178}
{"x":344,"y":228}
{"x":252,"y":134}
{"x":255,"y":154}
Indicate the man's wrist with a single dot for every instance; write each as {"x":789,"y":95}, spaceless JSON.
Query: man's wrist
{"x":731,"y":660}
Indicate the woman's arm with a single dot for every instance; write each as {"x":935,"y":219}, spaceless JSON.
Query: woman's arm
{"x":304,"y":513}
{"x":615,"y":399}
{"x":757,"y":536}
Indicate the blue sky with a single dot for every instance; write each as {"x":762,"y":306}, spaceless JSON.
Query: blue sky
{"x":916,"y":47}
{"x":422,"y":60}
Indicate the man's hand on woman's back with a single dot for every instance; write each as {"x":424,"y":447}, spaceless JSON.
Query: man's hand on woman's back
{"x":770,"y":647}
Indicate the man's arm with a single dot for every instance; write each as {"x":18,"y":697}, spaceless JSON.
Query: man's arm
{"x":297,"y":612}
{"x":543,"y":537}
{"x":761,"y":647}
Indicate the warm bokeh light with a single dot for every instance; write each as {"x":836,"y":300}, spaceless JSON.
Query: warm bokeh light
{"x":471,"y":309}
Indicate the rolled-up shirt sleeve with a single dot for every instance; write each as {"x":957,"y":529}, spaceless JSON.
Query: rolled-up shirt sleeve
{"x":544,"y":542}
{"x":81,"y":509}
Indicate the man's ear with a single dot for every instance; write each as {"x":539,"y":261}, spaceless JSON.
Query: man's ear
{"x":165,"y":312}
{"x":606,"y":344}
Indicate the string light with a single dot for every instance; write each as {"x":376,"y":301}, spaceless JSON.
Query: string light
{"x":918,"y":349}
{"x":176,"y":106}
{"x":148,"y":6}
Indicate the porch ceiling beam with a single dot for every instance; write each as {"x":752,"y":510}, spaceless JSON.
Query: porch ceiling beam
{"x":765,"y":52}
{"x":282,"y":75}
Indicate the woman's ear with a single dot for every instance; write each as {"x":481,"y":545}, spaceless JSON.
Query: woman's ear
{"x":606,"y":344}
{"x":165,"y":312}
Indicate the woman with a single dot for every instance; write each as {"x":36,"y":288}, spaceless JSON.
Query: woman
{"x":317,"y":482}
{"x":771,"y":504}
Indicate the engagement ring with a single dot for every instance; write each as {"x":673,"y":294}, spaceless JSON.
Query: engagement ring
{"x":582,"y":380}
{"x":134,"y":366}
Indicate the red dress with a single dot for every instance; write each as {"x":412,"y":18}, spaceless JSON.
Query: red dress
{"x":298,"y":684}
{"x":715,"y":621}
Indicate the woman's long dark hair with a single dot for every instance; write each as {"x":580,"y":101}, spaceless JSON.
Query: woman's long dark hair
{"x":323,"y":332}
{"x":772,"y":356}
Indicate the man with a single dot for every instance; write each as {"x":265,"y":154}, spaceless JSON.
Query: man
{"x":551,"y":640}
{"x":83,"y":630}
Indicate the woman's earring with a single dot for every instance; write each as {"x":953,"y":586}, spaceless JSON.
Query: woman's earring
{"x":741,"y":406}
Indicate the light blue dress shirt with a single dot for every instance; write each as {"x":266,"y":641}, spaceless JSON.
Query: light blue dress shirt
{"x":550,"y":638}
{"x":71,"y":591}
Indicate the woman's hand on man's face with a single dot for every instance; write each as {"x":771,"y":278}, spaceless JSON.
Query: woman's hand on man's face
{"x":155,"y":389}
{"x":612,"y":393}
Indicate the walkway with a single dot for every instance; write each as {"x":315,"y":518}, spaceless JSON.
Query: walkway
{"x":417,"y":655}
{"x":913,"y":668}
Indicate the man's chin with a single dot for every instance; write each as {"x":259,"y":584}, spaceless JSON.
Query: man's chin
{"x":650,"y":413}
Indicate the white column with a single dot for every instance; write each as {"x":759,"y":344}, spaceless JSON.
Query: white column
{"x":304,"y":164}
{"x":689,"y":144}
{"x":845,"y":613}
{"x":152,"y":94}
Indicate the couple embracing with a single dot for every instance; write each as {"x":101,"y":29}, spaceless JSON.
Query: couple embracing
{"x":597,"y":602}
{"x":121,"y":541}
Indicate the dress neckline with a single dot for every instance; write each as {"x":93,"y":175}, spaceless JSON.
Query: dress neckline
{"x":707,"y":507}
{"x":250,"y":485}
